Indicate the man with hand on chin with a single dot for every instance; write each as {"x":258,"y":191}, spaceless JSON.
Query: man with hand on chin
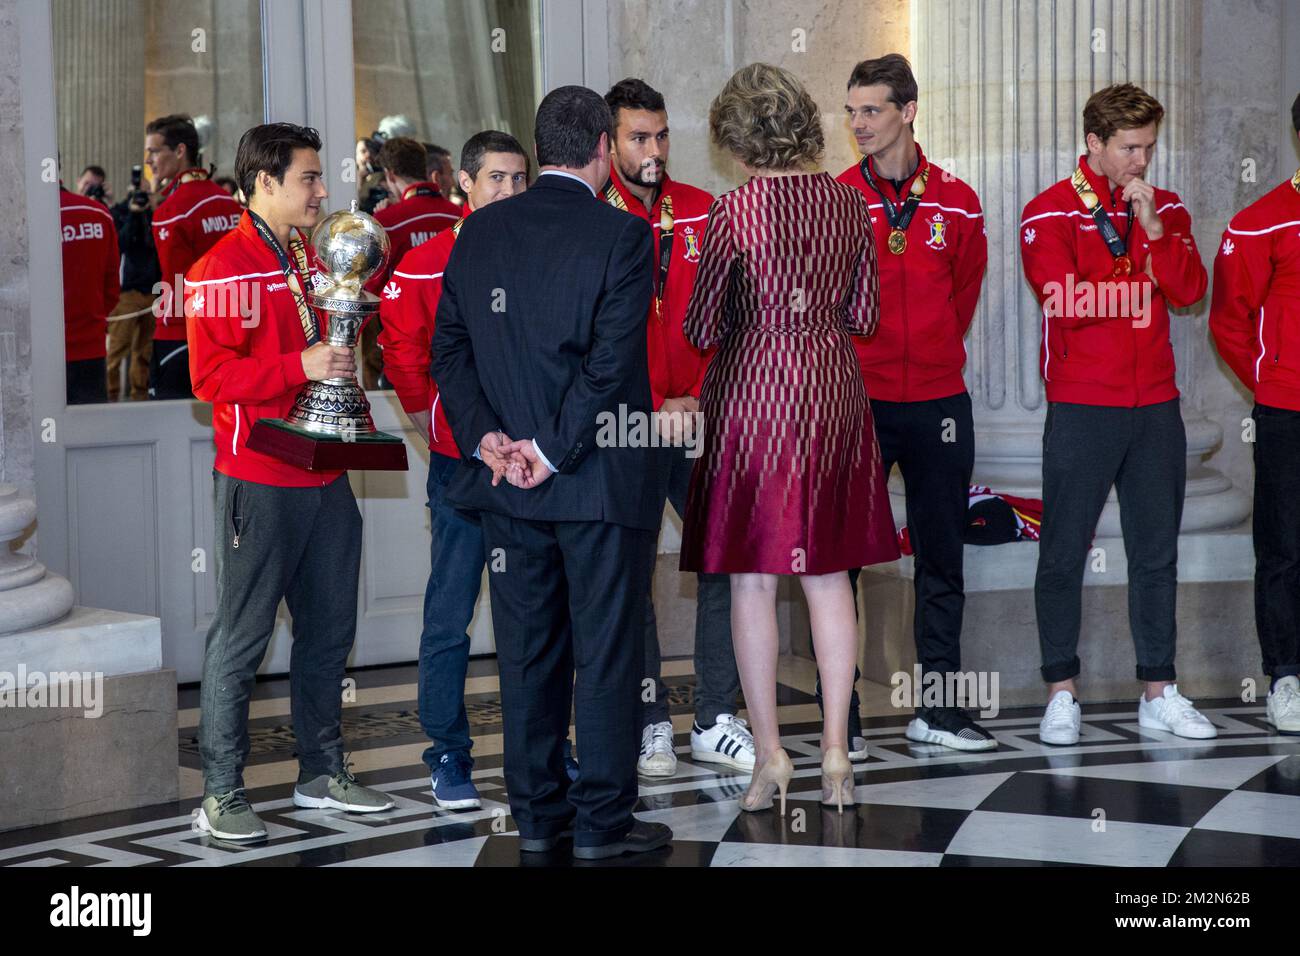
{"x":282,"y":532}
{"x":1113,"y":417}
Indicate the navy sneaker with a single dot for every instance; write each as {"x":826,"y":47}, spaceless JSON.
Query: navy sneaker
{"x":570,"y":764}
{"x":951,"y":727}
{"x":452,"y":787}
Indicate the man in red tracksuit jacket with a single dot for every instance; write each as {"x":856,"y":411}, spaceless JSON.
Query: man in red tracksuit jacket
{"x":493,"y":166}
{"x":1107,"y":254}
{"x":931,"y":253}
{"x":1254,"y":312}
{"x":193,"y":214}
{"x":281,"y":532}
{"x":415,"y":212}
{"x":90,"y":290}
{"x":677,"y":214}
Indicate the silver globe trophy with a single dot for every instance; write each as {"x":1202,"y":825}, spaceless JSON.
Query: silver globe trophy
{"x":330,"y":426}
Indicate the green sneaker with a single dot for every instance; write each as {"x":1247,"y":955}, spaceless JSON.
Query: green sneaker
{"x":230,"y":817}
{"x":340,"y":792}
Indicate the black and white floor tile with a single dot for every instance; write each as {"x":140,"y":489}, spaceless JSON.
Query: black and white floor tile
{"x":1123,"y":796}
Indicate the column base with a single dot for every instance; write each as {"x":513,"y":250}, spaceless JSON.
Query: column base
{"x":1217,"y":644}
{"x":103,"y":742}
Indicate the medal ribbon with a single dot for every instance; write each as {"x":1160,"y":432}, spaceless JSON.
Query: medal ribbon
{"x":665,"y":245}
{"x":1117,"y":245}
{"x":420,"y":189}
{"x":615,"y":199}
{"x":898,"y":219}
{"x":298,"y":249}
{"x":193,"y":174}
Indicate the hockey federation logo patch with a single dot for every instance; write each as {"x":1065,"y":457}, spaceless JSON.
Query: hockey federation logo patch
{"x":691,"y":249}
{"x":938,"y":232}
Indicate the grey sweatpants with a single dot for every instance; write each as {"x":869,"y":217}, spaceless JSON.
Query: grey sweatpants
{"x":302,"y":545}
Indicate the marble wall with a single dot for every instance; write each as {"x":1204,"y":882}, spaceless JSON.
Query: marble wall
{"x":687,"y":49}
{"x":1242,"y":131}
{"x":436,"y":63}
{"x":120,"y":63}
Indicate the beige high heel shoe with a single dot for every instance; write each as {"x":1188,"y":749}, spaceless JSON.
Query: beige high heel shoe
{"x":837,"y":779}
{"x":773,"y":776}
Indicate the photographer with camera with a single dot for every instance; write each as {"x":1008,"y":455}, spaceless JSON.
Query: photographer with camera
{"x":93,"y":184}
{"x":371,"y":191}
{"x":130,"y":325}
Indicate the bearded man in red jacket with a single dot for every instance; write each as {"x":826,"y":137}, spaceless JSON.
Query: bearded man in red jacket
{"x":1108,"y":254}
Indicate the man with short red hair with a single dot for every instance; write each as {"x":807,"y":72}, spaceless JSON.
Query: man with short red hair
{"x":1108,"y":254}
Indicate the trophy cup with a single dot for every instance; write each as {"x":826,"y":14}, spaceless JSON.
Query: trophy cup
{"x":329,"y":427}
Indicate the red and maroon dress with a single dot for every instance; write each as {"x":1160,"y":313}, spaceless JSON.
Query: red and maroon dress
{"x":790,"y":478}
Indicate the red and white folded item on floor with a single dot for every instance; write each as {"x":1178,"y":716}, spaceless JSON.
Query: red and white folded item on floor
{"x":994,"y":518}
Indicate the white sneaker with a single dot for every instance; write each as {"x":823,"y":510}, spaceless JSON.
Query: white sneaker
{"x":1060,"y":723}
{"x":1174,"y":712}
{"x":858,"y":748}
{"x":657,"y":758}
{"x":727,"y":742}
{"x":1284,"y":706}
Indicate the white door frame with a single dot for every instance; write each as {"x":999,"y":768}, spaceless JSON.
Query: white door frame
{"x":124,"y":491}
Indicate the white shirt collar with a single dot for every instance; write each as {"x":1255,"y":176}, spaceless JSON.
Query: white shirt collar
{"x":560,"y":172}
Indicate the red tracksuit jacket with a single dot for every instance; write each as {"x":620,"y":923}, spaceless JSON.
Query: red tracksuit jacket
{"x":928,"y":294}
{"x":411,"y":222}
{"x":1121,"y":360}
{"x":1256,"y":300}
{"x":407,"y":308}
{"x":248,"y":368}
{"x":90,"y":275}
{"x":676,"y":366}
{"x":192,"y":217}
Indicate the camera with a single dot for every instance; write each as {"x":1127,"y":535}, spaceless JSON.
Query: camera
{"x":137,"y":199}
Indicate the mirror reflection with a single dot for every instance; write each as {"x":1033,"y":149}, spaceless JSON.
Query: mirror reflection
{"x":152,"y":97}
{"x":428,"y":76}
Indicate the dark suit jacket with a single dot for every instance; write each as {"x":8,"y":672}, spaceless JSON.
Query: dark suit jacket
{"x":540,"y":332}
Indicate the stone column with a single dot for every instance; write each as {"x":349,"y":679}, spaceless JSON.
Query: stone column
{"x":1003,"y":87}
{"x":29,"y":596}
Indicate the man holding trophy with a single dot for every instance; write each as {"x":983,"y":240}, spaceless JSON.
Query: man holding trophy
{"x":286,"y":529}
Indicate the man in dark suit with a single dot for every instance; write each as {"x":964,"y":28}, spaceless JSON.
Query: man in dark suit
{"x":540,"y":334}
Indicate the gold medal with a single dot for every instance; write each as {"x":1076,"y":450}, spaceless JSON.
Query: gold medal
{"x":1123,"y":266}
{"x":897,"y":241}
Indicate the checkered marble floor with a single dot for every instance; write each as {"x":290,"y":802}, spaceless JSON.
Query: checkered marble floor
{"x":1123,"y":796}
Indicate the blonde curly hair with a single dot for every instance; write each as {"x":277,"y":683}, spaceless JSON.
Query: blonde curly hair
{"x":765,"y":118}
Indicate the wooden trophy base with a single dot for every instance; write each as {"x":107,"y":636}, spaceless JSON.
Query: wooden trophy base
{"x":371,"y":451}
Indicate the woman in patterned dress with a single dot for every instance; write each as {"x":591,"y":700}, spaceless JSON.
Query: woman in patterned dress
{"x":790,"y":479}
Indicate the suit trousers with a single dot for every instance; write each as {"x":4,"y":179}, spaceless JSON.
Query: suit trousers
{"x":568,"y":613}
